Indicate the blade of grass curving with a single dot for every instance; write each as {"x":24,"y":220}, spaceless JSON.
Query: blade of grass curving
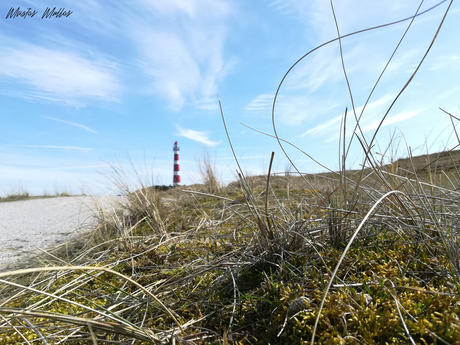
{"x":93,"y":335}
{"x":395,"y":298}
{"x":267,"y":218}
{"x":305,"y":153}
{"x":344,"y":72}
{"x":453,"y":126}
{"x":244,"y":183}
{"x":412,"y":75}
{"x":100,"y":325}
{"x":319,"y":47}
{"x":368,"y":155}
{"x":36,"y":330}
{"x":95,"y":268}
{"x":357,"y":126}
{"x":15,"y":329}
{"x":268,"y":183}
{"x":369,"y":213}
{"x":235,"y":288}
{"x":228,"y":136}
{"x":40,"y":292}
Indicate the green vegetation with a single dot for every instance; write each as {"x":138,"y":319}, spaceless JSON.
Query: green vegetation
{"x":26,"y":196}
{"x":253,"y":264}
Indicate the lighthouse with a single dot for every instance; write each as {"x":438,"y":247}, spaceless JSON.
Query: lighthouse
{"x":176,"y":179}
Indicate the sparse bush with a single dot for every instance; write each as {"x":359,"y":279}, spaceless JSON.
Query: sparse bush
{"x":208,"y":175}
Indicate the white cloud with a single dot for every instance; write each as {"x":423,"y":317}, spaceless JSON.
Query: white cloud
{"x":244,"y":157}
{"x":58,"y":76}
{"x":261,"y":103}
{"x":72,"y":124}
{"x":191,"y":8}
{"x":394,"y":119}
{"x":201,"y":137}
{"x":365,"y":54}
{"x":210,"y":103}
{"x":406,"y":62}
{"x":180,"y":48}
{"x":326,"y":127}
{"x":372,"y":126}
{"x":38,"y":181}
{"x":185,"y":55}
{"x":374,"y":110}
{"x":352,"y":15}
{"x":442,"y":62}
{"x":176,"y":73}
{"x":291,"y":109}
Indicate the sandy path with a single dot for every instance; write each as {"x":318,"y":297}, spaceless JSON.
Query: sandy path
{"x":42,"y":223}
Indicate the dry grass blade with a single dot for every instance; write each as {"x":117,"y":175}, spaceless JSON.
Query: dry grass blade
{"x":15,"y":329}
{"x":89,"y":268}
{"x":93,"y":335}
{"x":321,"y":46}
{"x":208,"y":175}
{"x":97,"y":325}
{"x":266,"y":194}
{"x":331,"y":280}
{"x":60,"y":298}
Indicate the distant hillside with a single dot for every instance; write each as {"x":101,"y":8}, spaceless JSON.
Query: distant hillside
{"x":441,"y":161}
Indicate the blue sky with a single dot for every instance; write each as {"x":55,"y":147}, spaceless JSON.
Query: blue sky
{"x":122,"y":81}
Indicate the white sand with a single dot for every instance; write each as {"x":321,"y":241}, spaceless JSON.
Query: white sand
{"x":43,"y":223}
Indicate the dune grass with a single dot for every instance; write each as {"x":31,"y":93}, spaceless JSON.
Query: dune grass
{"x":369,"y":256}
{"x":24,"y":195}
{"x":240,"y":267}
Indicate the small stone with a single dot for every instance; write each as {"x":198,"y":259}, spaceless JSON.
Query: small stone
{"x":298,"y":305}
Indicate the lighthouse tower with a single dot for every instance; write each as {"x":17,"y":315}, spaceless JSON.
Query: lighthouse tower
{"x":176,"y":179}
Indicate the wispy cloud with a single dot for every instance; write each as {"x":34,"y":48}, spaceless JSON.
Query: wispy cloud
{"x":393,"y":119}
{"x":371,"y":115}
{"x":291,"y":109}
{"x":352,"y":15}
{"x":365,"y":55}
{"x":388,"y":121}
{"x":326,"y":127}
{"x":324,"y":70}
{"x":72,"y":124}
{"x":185,"y":65}
{"x":192,"y":8}
{"x":201,"y":137}
{"x":370,"y":120}
{"x":244,"y":157}
{"x":452,"y":61}
{"x":53,"y":75}
{"x":261,"y":103}
{"x":54,"y":147}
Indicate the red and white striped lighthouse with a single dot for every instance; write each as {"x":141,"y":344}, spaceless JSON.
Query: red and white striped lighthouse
{"x":176,"y":179}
